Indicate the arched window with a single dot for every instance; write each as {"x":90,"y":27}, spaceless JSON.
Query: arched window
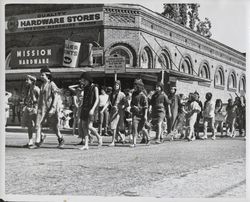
{"x":186,"y":66}
{"x":146,"y":58}
{"x":219,"y":79}
{"x":242,"y":84}
{"x":232,"y":83}
{"x":124,"y":52}
{"x":204,"y":71}
{"x":163,"y":60}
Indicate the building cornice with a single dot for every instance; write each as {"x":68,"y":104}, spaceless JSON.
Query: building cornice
{"x":192,"y":35}
{"x":216,"y":47}
{"x":174,"y":42}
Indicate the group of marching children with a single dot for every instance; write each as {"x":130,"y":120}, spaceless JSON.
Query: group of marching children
{"x":131,"y":114}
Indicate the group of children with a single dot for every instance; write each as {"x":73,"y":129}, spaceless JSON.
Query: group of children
{"x":215,"y":116}
{"x":132,"y":113}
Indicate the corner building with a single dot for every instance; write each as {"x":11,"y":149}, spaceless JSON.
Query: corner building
{"x":154,"y":48}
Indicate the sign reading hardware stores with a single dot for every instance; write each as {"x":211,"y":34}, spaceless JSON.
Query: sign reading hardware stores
{"x":71,"y":52}
{"x":36,"y":56}
{"x":59,"y":20}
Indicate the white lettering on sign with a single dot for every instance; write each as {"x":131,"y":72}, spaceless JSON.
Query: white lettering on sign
{"x":33,"y":61}
{"x":33,"y":53}
{"x":55,"y":20}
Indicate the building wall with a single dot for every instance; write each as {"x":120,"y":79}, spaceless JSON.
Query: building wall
{"x":136,"y":27}
{"x":150,"y":30}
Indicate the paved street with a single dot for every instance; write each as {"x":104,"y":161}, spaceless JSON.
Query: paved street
{"x":177,"y":169}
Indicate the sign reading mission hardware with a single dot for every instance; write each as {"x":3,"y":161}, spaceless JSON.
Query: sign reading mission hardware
{"x":29,"y":57}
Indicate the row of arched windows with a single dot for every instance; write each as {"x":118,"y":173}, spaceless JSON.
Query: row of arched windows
{"x":163,"y":60}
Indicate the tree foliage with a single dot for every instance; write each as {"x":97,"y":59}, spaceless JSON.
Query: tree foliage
{"x":188,"y":15}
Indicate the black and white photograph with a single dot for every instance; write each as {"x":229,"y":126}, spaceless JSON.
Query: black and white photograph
{"x":129,"y":101}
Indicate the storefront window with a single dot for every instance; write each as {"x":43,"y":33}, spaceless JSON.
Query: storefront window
{"x":124,"y":52}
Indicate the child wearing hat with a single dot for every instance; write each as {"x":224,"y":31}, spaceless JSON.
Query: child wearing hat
{"x":48,"y":108}
{"x":30,"y":107}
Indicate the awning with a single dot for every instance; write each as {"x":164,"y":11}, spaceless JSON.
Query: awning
{"x":188,"y":77}
{"x":62,"y":72}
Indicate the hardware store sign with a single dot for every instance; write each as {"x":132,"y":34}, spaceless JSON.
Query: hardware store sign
{"x":36,"y":56}
{"x":51,"y":21}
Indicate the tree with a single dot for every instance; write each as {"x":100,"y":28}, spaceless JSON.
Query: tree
{"x":193,"y":15}
{"x":203,"y":27}
{"x":183,"y":14}
{"x":170,"y":11}
{"x":188,"y":15}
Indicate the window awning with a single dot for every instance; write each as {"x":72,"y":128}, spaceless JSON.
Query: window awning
{"x":62,"y":72}
{"x":188,"y":77}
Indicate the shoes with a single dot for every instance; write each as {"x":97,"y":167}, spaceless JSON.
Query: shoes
{"x":28,"y":145}
{"x":84,"y":148}
{"x":143,"y":141}
{"x":111,"y":145}
{"x":148,"y":142}
{"x":132,"y":146}
{"x":61,"y":143}
{"x":91,"y":139}
{"x":213,"y":137}
{"x":35,"y":146}
{"x":80,"y":143}
{"x":43,"y":137}
{"x":158,"y":142}
{"x":100,"y":142}
{"x":204,"y":138}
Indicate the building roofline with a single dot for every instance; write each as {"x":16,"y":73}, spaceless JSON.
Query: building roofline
{"x":138,"y":6}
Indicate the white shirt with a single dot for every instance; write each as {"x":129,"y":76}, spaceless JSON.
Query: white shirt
{"x":209,"y":109}
{"x":103,"y":99}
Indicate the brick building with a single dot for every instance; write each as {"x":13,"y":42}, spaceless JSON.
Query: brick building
{"x":153,"y":47}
